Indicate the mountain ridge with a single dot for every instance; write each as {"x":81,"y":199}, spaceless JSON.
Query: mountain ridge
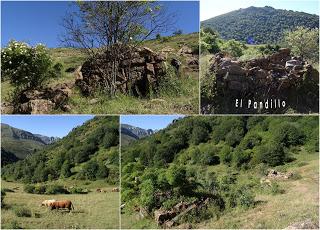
{"x":262,"y":24}
{"x":21,"y":143}
{"x":131,"y":133}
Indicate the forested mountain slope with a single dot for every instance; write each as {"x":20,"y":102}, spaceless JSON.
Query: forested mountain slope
{"x":130,"y":133}
{"x":259,"y":24}
{"x":20,"y":142}
{"x":88,"y":152}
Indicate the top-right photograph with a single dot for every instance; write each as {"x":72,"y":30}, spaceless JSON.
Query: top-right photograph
{"x":259,"y":57}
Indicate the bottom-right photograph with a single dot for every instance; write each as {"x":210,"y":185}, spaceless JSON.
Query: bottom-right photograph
{"x":219,"y":172}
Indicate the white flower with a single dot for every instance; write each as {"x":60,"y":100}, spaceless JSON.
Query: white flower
{"x":10,"y":62}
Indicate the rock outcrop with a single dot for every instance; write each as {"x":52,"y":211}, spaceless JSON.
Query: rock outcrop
{"x":273,"y":174}
{"x":43,"y":101}
{"x":278,"y":77}
{"x":136,"y":71}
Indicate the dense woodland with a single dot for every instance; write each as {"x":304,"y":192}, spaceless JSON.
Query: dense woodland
{"x":184,"y":162}
{"x":88,"y":152}
{"x":259,"y":25}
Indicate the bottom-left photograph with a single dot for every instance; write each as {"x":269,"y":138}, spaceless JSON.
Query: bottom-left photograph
{"x":60,"y":172}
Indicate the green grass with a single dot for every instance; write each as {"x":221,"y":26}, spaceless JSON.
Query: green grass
{"x":300,"y":201}
{"x":93,"y":210}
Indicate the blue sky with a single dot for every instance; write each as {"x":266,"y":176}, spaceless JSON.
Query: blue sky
{"x":210,"y":8}
{"x":148,"y":121}
{"x":40,"y":22}
{"x":48,"y":125}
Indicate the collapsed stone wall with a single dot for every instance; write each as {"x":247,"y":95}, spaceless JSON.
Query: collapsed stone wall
{"x":137,"y":71}
{"x":40,"y":101}
{"x":279,"y":77}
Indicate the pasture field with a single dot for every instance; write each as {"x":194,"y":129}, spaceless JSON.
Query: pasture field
{"x":299,"y":201}
{"x":94,"y":210}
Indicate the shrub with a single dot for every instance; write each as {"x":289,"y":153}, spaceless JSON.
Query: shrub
{"x":226,"y":154}
{"x":246,"y":198}
{"x":3,"y":194}
{"x":271,"y":153}
{"x":288,"y":134}
{"x":303,"y":42}
{"x":78,"y":190}
{"x":55,"y":189}
{"x":275,"y":189}
{"x":39,"y":189}
{"x":233,"y":47}
{"x":28,"y":188}
{"x":22,"y":212}
{"x":177,"y":32}
{"x":28,"y":67}
{"x":14,"y":225}
{"x":147,"y":198}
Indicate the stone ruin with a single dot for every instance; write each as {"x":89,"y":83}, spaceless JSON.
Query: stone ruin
{"x":273,"y":174}
{"x":137,"y":71}
{"x":40,"y":101}
{"x":278,"y":76}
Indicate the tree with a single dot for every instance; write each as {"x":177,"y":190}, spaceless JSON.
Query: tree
{"x":199,"y":134}
{"x":90,"y":170}
{"x":303,"y":42}
{"x":177,"y":32}
{"x":210,"y":41}
{"x":66,"y":169}
{"x":272,"y":154}
{"x":233,"y":47}
{"x":100,"y":25}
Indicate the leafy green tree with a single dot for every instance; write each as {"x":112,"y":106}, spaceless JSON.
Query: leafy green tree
{"x":199,"y":134}
{"x":147,"y":197}
{"x":288,"y":134}
{"x":272,"y":154}
{"x":103,"y":171}
{"x":233,"y":47}
{"x":66,"y":169}
{"x":226,"y":154}
{"x":304,"y":42}
{"x":90,"y":170}
{"x":209,"y":40}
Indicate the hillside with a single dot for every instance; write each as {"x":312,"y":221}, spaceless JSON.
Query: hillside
{"x":184,"y":88}
{"x":260,"y":24}
{"x":22,"y":143}
{"x":131,"y":133}
{"x":200,"y":170}
{"x":88,"y":152}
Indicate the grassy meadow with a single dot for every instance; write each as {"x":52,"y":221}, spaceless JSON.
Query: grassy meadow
{"x":94,"y":210}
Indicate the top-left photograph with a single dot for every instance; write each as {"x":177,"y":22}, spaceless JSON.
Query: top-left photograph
{"x":100,"y":57}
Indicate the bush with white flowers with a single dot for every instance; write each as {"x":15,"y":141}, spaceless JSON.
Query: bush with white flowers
{"x":27,"y":67}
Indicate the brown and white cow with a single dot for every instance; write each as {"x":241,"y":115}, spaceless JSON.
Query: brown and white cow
{"x":47,"y":202}
{"x":61,"y":204}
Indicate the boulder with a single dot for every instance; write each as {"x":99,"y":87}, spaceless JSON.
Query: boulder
{"x":161,"y":216}
{"x":273,"y":174}
{"x":38,"y":106}
{"x":185,"y":50}
{"x":292,"y":63}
